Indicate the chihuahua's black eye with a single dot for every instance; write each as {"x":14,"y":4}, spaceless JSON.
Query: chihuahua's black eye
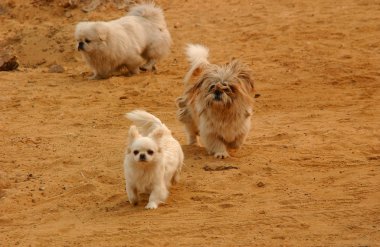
{"x":87,"y":41}
{"x":211,"y":88}
{"x":150,"y":152}
{"x":136,"y":152}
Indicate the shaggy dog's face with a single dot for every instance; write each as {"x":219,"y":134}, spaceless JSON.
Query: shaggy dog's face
{"x":90,"y":36}
{"x":221,"y":86}
{"x":218,"y":91}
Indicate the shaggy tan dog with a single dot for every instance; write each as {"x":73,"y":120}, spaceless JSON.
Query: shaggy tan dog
{"x":218,"y":106}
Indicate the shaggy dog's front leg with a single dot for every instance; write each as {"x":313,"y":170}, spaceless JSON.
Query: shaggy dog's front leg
{"x":214,"y":145}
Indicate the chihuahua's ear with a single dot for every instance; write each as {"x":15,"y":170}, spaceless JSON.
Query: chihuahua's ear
{"x":157,"y":134}
{"x":132,"y":134}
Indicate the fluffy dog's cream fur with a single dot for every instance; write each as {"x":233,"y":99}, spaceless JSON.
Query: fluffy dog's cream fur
{"x":218,"y":106}
{"x":135,"y":41}
{"x":153,"y":161}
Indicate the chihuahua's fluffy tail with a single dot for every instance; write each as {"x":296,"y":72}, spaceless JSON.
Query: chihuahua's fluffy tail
{"x":149,"y":11}
{"x":197,"y":55}
{"x":144,"y":121}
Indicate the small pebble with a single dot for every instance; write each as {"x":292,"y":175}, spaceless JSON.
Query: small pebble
{"x":55,"y":68}
{"x":177,"y":25}
{"x":8,"y":62}
{"x":260,"y":184}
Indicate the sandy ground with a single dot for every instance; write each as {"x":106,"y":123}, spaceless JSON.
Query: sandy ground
{"x":308,"y":175}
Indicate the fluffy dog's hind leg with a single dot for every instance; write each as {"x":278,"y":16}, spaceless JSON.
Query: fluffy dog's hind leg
{"x":191,"y":131}
{"x":133,"y":70}
{"x":98,"y":76}
{"x":149,"y":66}
{"x":134,"y":65}
{"x":175,"y":178}
{"x":132,"y":195}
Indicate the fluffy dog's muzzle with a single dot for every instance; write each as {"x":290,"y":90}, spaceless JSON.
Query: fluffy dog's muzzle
{"x":142,"y":157}
{"x":219,"y":89}
{"x":218,"y":95}
{"x":81,"y":46}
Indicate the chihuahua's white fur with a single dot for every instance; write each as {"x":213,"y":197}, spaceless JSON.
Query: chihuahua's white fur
{"x":162,"y":163}
{"x":223,"y":123}
{"x":137,"y":40}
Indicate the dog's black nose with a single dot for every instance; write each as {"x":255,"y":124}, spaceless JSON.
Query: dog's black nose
{"x":218,"y":95}
{"x":81,"y":46}
{"x":142,"y":157}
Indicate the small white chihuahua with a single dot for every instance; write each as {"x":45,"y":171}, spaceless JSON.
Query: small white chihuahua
{"x":153,"y":161}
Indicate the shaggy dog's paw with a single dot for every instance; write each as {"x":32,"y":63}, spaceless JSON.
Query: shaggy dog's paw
{"x":221,"y":155}
{"x":93,"y":77}
{"x":97,"y":77}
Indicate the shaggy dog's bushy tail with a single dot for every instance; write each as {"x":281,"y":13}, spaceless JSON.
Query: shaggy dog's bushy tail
{"x":197,"y":55}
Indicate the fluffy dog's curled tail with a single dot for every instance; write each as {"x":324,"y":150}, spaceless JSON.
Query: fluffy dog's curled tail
{"x":197,"y":55}
{"x":149,"y":11}
{"x":144,"y":121}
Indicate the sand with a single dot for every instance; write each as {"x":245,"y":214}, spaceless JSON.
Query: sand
{"x":308,"y":174}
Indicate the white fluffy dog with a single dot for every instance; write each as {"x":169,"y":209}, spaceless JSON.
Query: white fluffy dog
{"x":153,"y":161}
{"x":135,"y":41}
{"x":217,"y":107}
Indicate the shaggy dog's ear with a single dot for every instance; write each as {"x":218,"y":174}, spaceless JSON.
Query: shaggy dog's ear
{"x":102,"y":31}
{"x":243,"y":73}
{"x":132,"y":134}
{"x":181,"y":102}
{"x":195,"y":89}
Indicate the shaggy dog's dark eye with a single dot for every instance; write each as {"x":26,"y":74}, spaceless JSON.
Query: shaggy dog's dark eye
{"x":150,"y":152}
{"x":211,"y":88}
{"x":136,"y":152}
{"x":87,"y":41}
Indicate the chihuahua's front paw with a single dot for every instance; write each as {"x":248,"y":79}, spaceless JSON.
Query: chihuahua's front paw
{"x":133,"y":200}
{"x":151,"y":205}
